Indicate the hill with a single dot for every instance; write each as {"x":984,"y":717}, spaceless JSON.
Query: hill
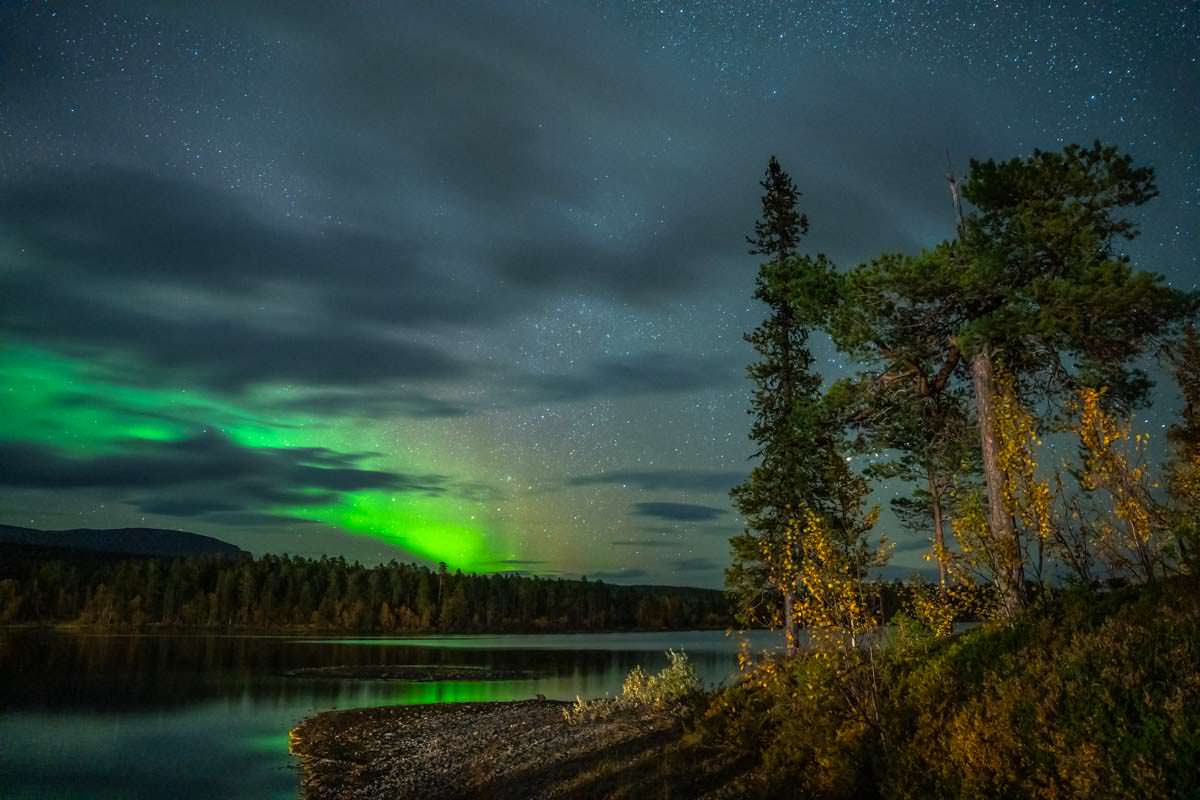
{"x":138,"y":542}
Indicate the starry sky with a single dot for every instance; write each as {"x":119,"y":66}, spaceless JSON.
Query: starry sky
{"x":467,"y":282}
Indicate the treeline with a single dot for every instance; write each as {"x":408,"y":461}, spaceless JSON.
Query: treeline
{"x":330,"y":594}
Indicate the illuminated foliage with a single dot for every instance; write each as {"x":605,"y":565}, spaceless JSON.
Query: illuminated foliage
{"x":1027,"y":500}
{"x":1025,"y":496}
{"x":1131,"y":536}
{"x":1086,"y":695}
{"x":666,"y":692}
{"x":832,"y":604}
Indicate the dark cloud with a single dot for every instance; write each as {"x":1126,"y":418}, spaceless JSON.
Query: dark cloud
{"x":138,"y":228}
{"x":653,"y":480}
{"x":695,"y":565}
{"x":643,"y":543}
{"x":195,"y":284}
{"x":521,"y":562}
{"x":625,"y":573}
{"x":257,"y":519}
{"x":184,"y":506}
{"x":640,"y":374}
{"x":440,"y":176}
{"x":209,"y":475}
{"x":678,"y":512}
{"x":376,"y":402}
{"x":210,"y":344}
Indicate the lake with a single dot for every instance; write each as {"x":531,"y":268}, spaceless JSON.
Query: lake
{"x":150,"y":716}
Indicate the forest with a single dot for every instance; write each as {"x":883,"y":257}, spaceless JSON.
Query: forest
{"x":289,"y":593}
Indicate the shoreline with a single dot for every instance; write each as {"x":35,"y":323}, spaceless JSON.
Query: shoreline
{"x":504,"y":750}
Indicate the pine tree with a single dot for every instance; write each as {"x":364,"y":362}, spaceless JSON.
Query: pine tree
{"x":910,"y":400}
{"x":1034,"y":288}
{"x":1045,"y":293}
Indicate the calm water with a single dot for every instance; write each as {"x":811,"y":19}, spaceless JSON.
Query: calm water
{"x":182,"y":717}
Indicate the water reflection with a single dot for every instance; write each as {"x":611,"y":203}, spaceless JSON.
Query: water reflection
{"x":207,"y":716}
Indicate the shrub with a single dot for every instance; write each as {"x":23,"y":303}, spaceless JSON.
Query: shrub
{"x":667,"y":691}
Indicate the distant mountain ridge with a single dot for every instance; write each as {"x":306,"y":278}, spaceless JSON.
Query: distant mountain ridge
{"x":146,"y":542}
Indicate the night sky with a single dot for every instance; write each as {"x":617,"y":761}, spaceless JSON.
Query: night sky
{"x":446,"y":281}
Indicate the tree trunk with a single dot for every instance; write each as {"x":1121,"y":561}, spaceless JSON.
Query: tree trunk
{"x":789,"y":621}
{"x":1011,"y":567}
{"x":939,"y":536}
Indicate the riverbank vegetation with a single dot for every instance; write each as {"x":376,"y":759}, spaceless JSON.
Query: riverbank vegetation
{"x":1084,"y":696}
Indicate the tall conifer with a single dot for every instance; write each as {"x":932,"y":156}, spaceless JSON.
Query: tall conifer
{"x":789,"y":430}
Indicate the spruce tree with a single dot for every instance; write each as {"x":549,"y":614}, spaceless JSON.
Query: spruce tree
{"x":789,"y":426}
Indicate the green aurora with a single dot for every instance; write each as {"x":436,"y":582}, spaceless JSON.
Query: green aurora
{"x":82,"y":410}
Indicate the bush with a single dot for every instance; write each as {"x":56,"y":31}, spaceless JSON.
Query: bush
{"x":668,"y":691}
{"x":1092,"y":697}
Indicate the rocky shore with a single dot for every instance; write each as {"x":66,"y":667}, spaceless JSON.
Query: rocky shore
{"x":499,"y":751}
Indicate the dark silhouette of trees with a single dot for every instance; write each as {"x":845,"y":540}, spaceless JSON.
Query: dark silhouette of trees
{"x":329,"y":594}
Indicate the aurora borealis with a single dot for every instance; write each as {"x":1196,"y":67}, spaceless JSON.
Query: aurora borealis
{"x":467,"y":281}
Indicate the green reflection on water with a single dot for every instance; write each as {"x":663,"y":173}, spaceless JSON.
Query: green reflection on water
{"x":276,"y":743}
{"x":411,"y":694}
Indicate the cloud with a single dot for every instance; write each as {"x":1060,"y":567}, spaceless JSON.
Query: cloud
{"x":678,"y":512}
{"x":625,"y":573}
{"x":213,"y":345}
{"x":653,"y":480}
{"x":185,"y":506}
{"x":643,"y":543}
{"x":258,"y":519}
{"x":444,"y":170}
{"x":639,"y":374}
{"x":210,"y":475}
{"x":447,"y":184}
{"x":376,"y":402}
{"x":695,"y":565}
